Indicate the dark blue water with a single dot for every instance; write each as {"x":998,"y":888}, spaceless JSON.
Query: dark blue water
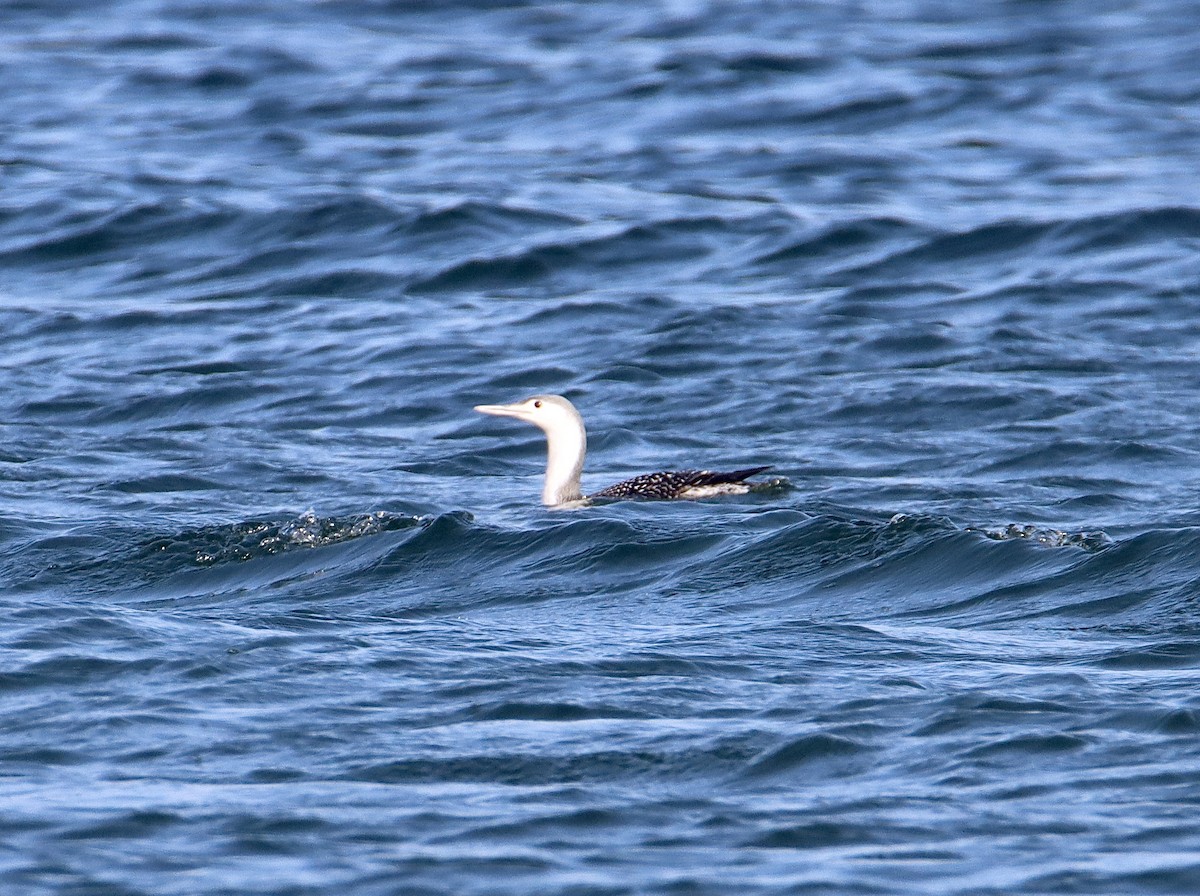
{"x":282,"y":615}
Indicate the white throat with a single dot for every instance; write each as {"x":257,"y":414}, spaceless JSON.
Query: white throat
{"x":566,"y":448}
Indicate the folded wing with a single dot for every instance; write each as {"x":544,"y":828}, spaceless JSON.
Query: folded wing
{"x":676,"y":483}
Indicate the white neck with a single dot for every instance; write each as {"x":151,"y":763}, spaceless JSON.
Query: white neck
{"x":566,"y":447}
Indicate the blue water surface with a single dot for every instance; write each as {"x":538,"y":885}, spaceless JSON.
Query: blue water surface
{"x":282,"y":615}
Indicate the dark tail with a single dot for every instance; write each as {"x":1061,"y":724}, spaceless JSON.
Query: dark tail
{"x":707,"y":478}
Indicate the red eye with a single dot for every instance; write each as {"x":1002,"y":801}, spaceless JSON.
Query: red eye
{"x":537,"y":404}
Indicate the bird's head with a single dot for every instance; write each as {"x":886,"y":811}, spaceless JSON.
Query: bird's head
{"x":551,"y":413}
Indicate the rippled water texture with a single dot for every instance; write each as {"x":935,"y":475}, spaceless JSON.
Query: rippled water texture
{"x":282,"y":615}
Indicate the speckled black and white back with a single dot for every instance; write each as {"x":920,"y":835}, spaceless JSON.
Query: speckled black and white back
{"x":673,"y":484}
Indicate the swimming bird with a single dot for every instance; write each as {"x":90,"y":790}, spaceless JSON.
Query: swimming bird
{"x":566,"y":446}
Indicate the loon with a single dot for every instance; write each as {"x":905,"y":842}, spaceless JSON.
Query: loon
{"x":566,"y":445}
